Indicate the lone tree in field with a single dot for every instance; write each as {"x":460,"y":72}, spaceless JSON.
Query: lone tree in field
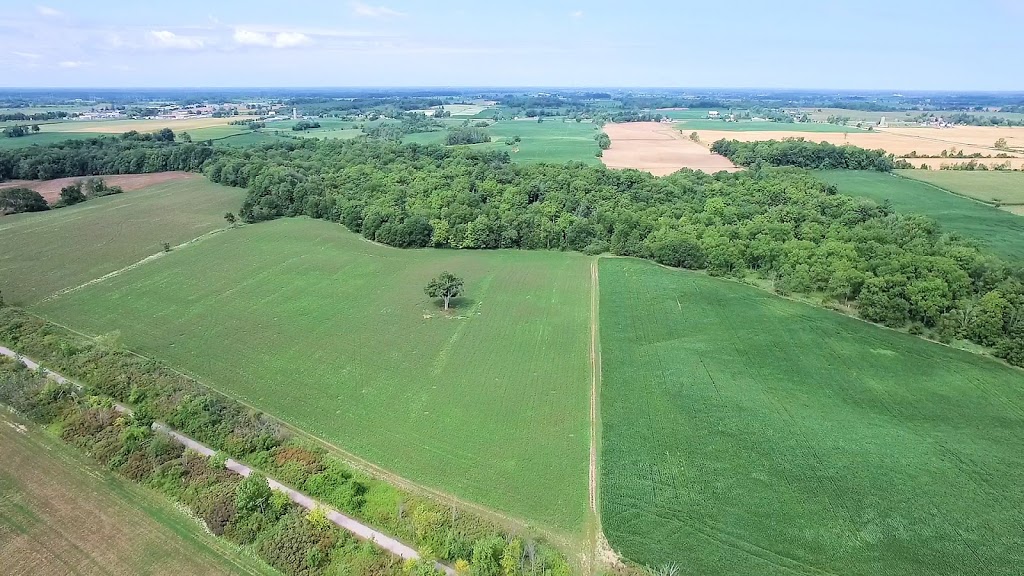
{"x":445,"y":286}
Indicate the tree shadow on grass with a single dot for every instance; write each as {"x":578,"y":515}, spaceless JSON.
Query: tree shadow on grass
{"x":457,"y":306}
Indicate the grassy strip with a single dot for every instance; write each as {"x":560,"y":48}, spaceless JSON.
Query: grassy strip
{"x":438,"y":531}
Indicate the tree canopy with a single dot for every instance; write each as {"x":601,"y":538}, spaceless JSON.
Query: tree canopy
{"x":445,"y":286}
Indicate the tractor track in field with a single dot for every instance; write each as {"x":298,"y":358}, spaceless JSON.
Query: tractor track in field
{"x":360,"y":530}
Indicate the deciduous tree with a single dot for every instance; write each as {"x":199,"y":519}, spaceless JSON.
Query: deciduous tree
{"x":445,"y":286}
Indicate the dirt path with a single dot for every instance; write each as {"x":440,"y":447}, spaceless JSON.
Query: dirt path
{"x":595,"y":368}
{"x":357,"y":528}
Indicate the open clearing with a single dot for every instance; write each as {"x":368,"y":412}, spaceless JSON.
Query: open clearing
{"x":333,"y":334}
{"x":62,"y":514}
{"x":50,"y":189}
{"x":553,"y":141}
{"x":44,"y":252}
{"x":659,"y":149}
{"x":748,"y":434}
{"x":999,"y":231}
{"x":990,"y":187}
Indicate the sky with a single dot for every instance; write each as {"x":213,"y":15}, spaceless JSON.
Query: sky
{"x":868,"y":44}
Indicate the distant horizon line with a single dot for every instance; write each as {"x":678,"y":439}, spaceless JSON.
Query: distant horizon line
{"x":484,"y":87}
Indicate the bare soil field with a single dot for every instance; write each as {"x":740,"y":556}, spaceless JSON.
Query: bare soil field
{"x":119,"y":126}
{"x":50,"y":189}
{"x":659,"y":149}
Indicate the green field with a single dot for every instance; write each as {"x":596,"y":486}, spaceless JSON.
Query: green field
{"x":45,"y":252}
{"x":317,"y":326}
{"x":749,"y":126}
{"x":552,"y":141}
{"x":42,"y":139}
{"x":748,"y":434}
{"x":993,"y":187}
{"x":999,"y":231}
{"x":62,"y":514}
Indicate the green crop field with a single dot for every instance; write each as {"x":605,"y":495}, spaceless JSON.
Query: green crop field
{"x":748,"y":434}
{"x":998,"y":230}
{"x":44,"y":252}
{"x":988,"y":186}
{"x":552,"y":141}
{"x":42,"y":139}
{"x":745,"y":126}
{"x":62,"y":514}
{"x":334,"y":334}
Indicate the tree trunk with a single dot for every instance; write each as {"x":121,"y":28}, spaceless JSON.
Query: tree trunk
{"x":446,"y":299}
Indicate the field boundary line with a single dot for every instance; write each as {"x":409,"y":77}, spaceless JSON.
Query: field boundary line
{"x":343,"y":521}
{"x":130,"y":267}
{"x":948,"y":191}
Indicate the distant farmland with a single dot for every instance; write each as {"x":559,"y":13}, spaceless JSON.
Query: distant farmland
{"x":313,"y":324}
{"x":998,"y":230}
{"x":658,"y":149}
{"x":748,"y":434}
{"x":62,"y":514}
{"x":83,"y":242}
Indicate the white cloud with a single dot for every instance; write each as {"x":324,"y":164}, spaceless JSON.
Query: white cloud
{"x":577,"y":14}
{"x":361,"y":9}
{"x":48,"y":12}
{"x":71,"y":64}
{"x":168,"y":39}
{"x":27,"y":55}
{"x":271,"y":40}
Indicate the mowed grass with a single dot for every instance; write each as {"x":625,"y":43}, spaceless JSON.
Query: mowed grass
{"x":62,"y":514}
{"x":748,"y":434}
{"x":996,"y":230}
{"x":333,"y":334}
{"x":988,"y":186}
{"x":44,"y":252}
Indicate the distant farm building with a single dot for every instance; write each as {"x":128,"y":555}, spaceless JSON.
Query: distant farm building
{"x":714,"y":115}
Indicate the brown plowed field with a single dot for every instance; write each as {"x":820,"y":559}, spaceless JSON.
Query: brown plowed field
{"x":659,"y":149}
{"x":50,"y":189}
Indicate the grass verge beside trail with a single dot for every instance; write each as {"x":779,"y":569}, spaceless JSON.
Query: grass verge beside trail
{"x":60,"y":512}
{"x":43,"y":252}
{"x":334,"y":335}
{"x":998,"y":230}
{"x":748,"y":434}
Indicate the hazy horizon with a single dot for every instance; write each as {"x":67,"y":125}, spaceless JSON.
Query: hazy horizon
{"x":794,"y":45}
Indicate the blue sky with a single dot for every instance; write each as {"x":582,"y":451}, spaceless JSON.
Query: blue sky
{"x":868,"y":44}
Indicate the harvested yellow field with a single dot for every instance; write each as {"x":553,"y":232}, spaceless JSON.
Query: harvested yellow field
{"x":898,"y":141}
{"x":120,"y":126}
{"x":659,"y":149}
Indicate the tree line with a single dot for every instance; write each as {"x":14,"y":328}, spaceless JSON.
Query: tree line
{"x":782,"y":225}
{"x":801,"y":153}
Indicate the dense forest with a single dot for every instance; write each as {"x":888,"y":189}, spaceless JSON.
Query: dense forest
{"x":780,"y":225}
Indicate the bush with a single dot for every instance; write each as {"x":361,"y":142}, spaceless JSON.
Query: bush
{"x":18,"y":200}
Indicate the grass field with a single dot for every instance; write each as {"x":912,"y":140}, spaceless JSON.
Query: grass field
{"x":315,"y":325}
{"x":42,"y":139}
{"x":552,"y":141}
{"x":999,"y":231}
{"x":62,"y":514}
{"x":748,"y":434}
{"x":990,"y":187}
{"x":45,"y":252}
